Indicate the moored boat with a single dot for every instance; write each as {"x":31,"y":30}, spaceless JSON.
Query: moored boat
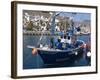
{"x":67,"y":49}
{"x":53,"y":56}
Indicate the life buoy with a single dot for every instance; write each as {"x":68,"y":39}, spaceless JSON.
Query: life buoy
{"x":34,"y":51}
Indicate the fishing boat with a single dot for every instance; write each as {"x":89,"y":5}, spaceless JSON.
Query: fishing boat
{"x":51,"y":54}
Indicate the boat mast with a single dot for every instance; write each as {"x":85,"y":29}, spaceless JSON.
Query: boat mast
{"x":53,"y":28}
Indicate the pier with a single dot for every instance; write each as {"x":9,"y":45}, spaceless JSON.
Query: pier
{"x":47,"y":33}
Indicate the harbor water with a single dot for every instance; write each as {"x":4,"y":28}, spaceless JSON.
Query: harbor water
{"x":35,"y":61}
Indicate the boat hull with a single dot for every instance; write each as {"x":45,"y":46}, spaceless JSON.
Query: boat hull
{"x":53,"y":57}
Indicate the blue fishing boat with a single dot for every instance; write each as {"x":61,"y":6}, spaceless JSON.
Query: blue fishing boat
{"x":53,"y":56}
{"x":63,"y":50}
